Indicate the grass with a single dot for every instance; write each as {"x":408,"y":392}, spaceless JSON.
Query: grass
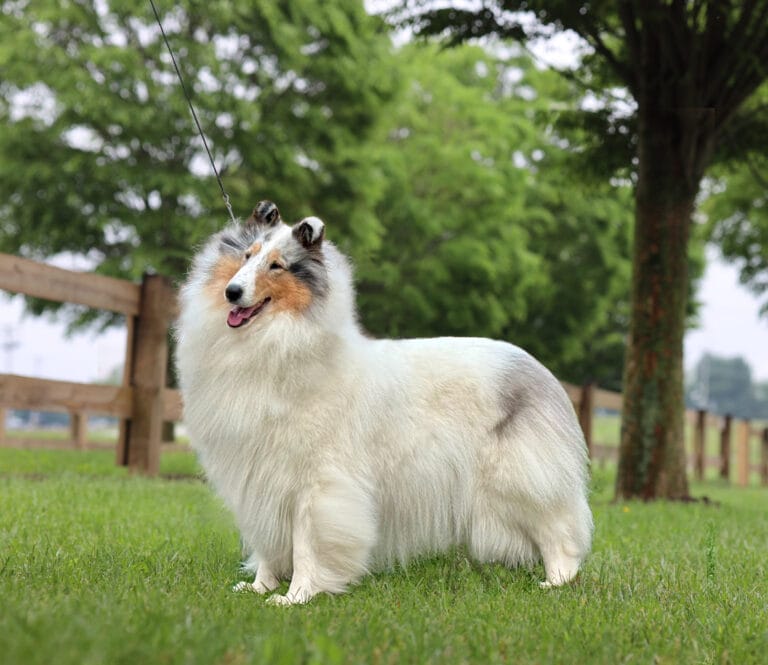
{"x":100,"y":567}
{"x":95,"y":435}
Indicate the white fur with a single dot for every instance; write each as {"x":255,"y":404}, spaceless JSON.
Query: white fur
{"x":339,"y":454}
{"x":316,"y":224}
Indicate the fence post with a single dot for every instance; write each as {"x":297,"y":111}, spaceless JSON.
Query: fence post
{"x":586,"y":406}
{"x":699,"y":438}
{"x":764,"y":458}
{"x":122,"y":434}
{"x":147,"y":375}
{"x":742,"y":453}
{"x":78,"y":429}
{"x":725,"y":447}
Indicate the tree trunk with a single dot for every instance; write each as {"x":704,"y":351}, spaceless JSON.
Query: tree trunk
{"x":652,"y":461}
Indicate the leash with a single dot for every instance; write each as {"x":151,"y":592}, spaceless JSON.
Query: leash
{"x":224,"y":194}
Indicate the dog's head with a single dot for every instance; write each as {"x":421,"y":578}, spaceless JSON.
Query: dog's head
{"x":265,"y":267}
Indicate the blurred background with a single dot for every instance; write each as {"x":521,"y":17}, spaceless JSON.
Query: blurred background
{"x":480,"y":190}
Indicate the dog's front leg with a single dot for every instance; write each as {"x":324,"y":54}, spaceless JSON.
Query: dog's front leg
{"x":303,"y":584}
{"x":333,"y":534}
{"x":265,"y":581}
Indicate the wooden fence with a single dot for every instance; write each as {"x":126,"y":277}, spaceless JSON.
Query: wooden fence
{"x":589,"y":398}
{"x":143,"y":402}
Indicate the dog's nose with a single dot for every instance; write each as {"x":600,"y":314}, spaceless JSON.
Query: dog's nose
{"x":233,"y":292}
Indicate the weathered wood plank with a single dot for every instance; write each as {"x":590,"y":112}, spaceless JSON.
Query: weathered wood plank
{"x":21,"y":275}
{"x":150,"y":353}
{"x":173,"y":409}
{"x":78,"y":429}
{"x":699,"y":440}
{"x":586,"y":411}
{"x":574,"y":393}
{"x":121,"y":450}
{"x":725,"y":447}
{"x":23,"y":392}
{"x":742,"y":452}
{"x":607,"y":399}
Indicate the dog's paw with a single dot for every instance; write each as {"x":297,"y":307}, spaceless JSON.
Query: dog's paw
{"x":298,"y":598}
{"x":243,"y":587}
{"x":282,"y":601}
{"x":247,"y":587}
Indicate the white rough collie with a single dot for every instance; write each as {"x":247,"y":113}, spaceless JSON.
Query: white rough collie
{"x":340,"y":454}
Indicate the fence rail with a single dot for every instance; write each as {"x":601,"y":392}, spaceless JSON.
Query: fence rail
{"x":40,"y":280}
{"x":589,"y":398}
{"x":144,"y":402}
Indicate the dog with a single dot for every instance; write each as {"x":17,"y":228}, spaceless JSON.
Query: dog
{"x":339,"y":454}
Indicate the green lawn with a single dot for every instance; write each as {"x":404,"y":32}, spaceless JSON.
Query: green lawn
{"x":100,"y":567}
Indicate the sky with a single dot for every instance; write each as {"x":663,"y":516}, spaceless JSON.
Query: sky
{"x":730,"y":326}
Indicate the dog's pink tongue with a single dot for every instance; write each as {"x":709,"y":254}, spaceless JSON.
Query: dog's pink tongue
{"x":239,"y":315}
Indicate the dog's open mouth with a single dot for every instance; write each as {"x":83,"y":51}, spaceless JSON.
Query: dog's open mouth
{"x":239,"y":316}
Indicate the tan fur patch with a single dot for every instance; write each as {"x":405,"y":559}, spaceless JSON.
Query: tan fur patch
{"x":288,"y":293}
{"x":223,"y":272}
{"x":254,"y":249}
{"x":274,"y":257}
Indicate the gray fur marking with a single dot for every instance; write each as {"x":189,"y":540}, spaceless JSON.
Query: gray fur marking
{"x":513,"y":399}
{"x":265,"y":214}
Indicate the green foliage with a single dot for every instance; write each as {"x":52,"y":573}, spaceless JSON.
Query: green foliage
{"x":451,"y":188}
{"x":627,"y":63}
{"x":486,"y":232}
{"x":455,"y":257}
{"x":100,"y":154}
{"x":724,"y":386}
{"x":98,"y":567}
{"x":737,"y":209}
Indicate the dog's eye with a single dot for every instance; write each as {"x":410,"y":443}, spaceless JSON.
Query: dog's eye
{"x":276,"y":266}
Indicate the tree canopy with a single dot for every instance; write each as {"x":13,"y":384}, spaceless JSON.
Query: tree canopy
{"x":484,"y":233}
{"x":101,"y":155}
{"x":737,"y":202}
{"x":445,"y":174}
{"x":725,"y":386}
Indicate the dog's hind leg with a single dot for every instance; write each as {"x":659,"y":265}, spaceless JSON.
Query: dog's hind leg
{"x":333,"y":534}
{"x":564,"y":542}
{"x":560,"y":567}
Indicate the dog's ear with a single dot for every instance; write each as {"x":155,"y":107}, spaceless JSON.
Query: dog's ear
{"x":309,"y":232}
{"x":264,"y":214}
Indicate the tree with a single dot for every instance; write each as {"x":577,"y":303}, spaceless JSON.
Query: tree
{"x":689,"y":66}
{"x":723,"y":385}
{"x":760,"y":391}
{"x":737,"y":205}
{"x":99,"y":152}
{"x":483,"y":235}
{"x":300,"y":104}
